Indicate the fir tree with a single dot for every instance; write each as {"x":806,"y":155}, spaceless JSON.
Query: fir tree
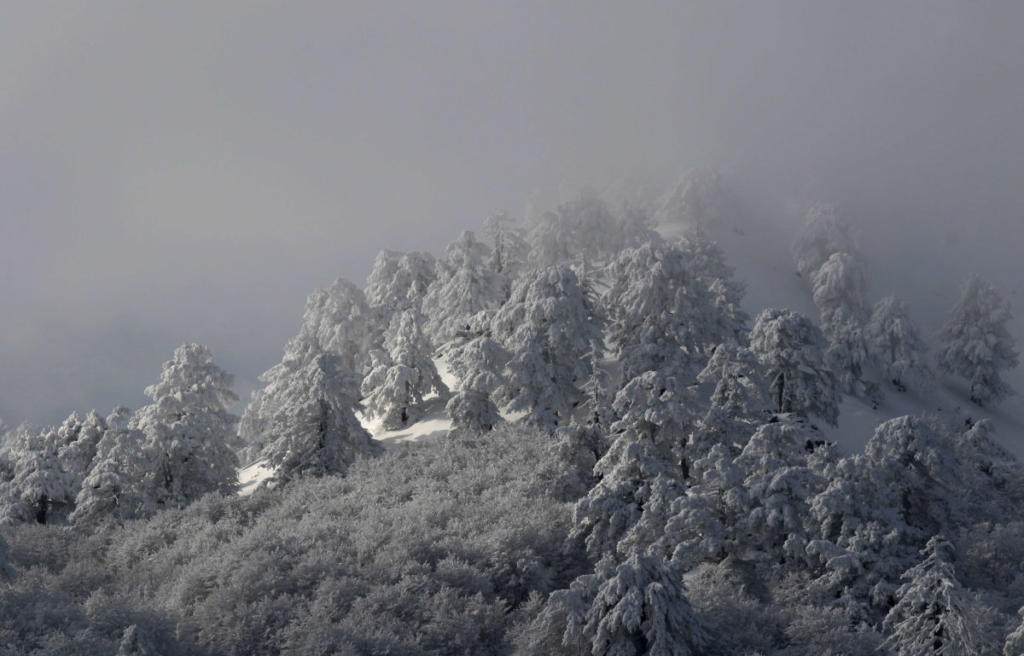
{"x":791,"y":350}
{"x":977,"y":344}
{"x":896,"y":345}
{"x":188,"y":427}
{"x":932,"y":614}
{"x":465,"y":286}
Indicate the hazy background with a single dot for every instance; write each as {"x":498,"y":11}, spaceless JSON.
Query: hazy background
{"x":190,"y":172}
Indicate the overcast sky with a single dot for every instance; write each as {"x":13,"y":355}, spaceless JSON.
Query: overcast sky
{"x":190,"y":171}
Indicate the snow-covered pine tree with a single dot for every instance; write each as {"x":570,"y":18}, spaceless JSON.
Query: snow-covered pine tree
{"x":78,"y":438}
{"x":314,"y":431}
{"x":399,"y":281}
{"x":698,"y":199}
{"x":659,"y":405}
{"x":119,"y":483}
{"x":896,"y":345}
{"x":707,"y":264}
{"x":478,"y":363}
{"x":824,"y":233}
{"x":39,"y":485}
{"x":977,"y":344}
{"x":465,"y":285}
{"x":932,"y":614}
{"x":188,"y":427}
{"x":660,"y":316}
{"x":337,"y":321}
{"x":839,"y":292}
{"x":583,"y":229}
{"x":509,"y":250}
{"x":550,"y":326}
{"x":403,"y":375}
{"x":629,"y":608}
{"x":792,"y":351}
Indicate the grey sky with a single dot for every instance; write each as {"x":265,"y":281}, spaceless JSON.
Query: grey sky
{"x":190,"y":171}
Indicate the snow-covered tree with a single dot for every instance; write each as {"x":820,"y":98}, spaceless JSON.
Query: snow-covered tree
{"x":707,"y":264}
{"x":737,"y":403}
{"x":337,"y":321}
{"x":932,"y":614}
{"x":698,"y":199}
{"x":1014,"y":645}
{"x":119,"y":484}
{"x":399,"y":281}
{"x":550,"y":327}
{"x":583,"y":229}
{"x":188,"y":427}
{"x":465,"y":285}
{"x":977,"y":344}
{"x":660,"y":406}
{"x":660,"y":316}
{"x":634,"y":607}
{"x":315,"y":431}
{"x":79,"y":437}
{"x":824,"y":233}
{"x":39,"y":485}
{"x":792,"y":351}
{"x":403,"y":374}
{"x":896,"y":345}
{"x":839,"y":288}
{"x":509,"y":250}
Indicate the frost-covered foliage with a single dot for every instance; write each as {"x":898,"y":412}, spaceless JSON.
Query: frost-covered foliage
{"x":550,"y":327}
{"x":824,"y":233}
{"x":707,"y":264}
{"x":792,"y":351}
{"x":314,"y":430}
{"x":79,"y":437}
{"x":584,"y":230}
{"x":931,"y":615}
{"x":660,"y":406}
{"x":118,"y":485}
{"x":399,"y":281}
{"x":976,"y":343}
{"x":465,"y":286}
{"x":38,"y":485}
{"x":699,"y":199}
{"x":509,"y":250}
{"x":188,"y":428}
{"x":896,"y":345}
{"x":432,"y":548}
{"x":738,"y":400}
{"x":660,"y":316}
{"x":839,"y":289}
{"x":403,"y":374}
{"x":629,"y":608}
{"x":337,"y":321}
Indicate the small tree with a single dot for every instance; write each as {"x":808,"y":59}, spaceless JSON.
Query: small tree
{"x":896,"y":345}
{"x":932,"y":614}
{"x":509,"y":250}
{"x":977,"y":344}
{"x":188,"y":427}
{"x":792,"y":351}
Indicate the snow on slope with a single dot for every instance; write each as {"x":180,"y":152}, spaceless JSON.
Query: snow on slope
{"x":760,"y":252}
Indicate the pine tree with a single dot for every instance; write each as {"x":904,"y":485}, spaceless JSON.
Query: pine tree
{"x":659,"y":314}
{"x":399,"y":281}
{"x":699,"y":199}
{"x":791,"y":350}
{"x":465,"y":286}
{"x":39,"y":486}
{"x":403,"y":375}
{"x":509,"y":250}
{"x":737,"y":402}
{"x":337,"y":321}
{"x":79,"y":438}
{"x":549,"y":326}
{"x":824,"y":233}
{"x":896,"y":345}
{"x":635,"y":607}
{"x":188,"y":427}
{"x":118,"y":484}
{"x":976,"y":343}
{"x":708,"y":265}
{"x":932,"y":614}
{"x":315,"y":431}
